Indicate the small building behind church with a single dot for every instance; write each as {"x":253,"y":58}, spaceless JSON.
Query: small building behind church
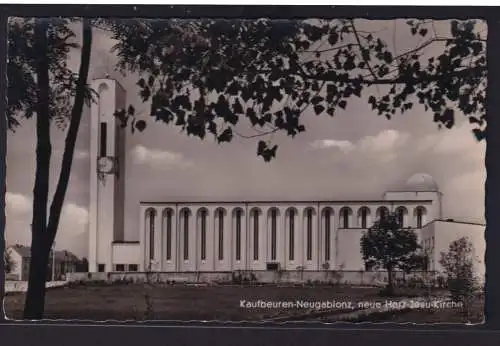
{"x":64,"y":262}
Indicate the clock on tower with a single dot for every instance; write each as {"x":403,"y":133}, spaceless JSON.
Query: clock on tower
{"x":106,"y":165}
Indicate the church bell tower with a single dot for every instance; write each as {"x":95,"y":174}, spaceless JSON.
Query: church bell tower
{"x":107,"y":179}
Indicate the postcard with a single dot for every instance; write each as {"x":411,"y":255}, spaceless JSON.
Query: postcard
{"x":254,"y":170}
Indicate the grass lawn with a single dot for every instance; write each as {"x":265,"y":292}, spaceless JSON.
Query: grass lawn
{"x":445,"y":315}
{"x":180,"y":302}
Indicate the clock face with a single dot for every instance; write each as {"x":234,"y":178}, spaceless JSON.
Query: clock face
{"x":105,"y":164}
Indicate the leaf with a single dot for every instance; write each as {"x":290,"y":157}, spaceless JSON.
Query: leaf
{"x":318,"y":109}
{"x":331,"y":89}
{"x":252,"y":116}
{"x":261,"y":146}
{"x":140,"y":125}
{"x":365,"y":54}
{"x":333,"y":38}
{"x":479,"y":134}
{"x":388,"y":57}
{"x":237,"y":108}
{"x":269,"y":154}
{"x":315,"y":86}
{"x":349,"y":63}
{"x":423,"y":32}
{"x":151,"y":81}
{"x":145,"y":94}
{"x":225,"y":136}
{"x":131,"y":110}
{"x":342,"y":104}
{"x":317,"y":99}
{"x":408,"y":105}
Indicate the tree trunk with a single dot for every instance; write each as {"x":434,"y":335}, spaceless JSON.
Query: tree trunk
{"x":69,"y":147}
{"x":44,"y":234}
{"x":390,"y":285}
{"x":35,"y":296}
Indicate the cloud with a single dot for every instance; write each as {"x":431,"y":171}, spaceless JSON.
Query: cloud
{"x":345,"y":146}
{"x":17,"y":203}
{"x":159,"y":159}
{"x":468,"y":192}
{"x":75,"y":214}
{"x":20,"y":204}
{"x":460,"y":140}
{"x":383,"y":142}
{"x":78,"y":154}
{"x":74,"y":221}
{"x":468,"y":182}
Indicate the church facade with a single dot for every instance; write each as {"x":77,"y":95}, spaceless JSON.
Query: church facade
{"x":221,"y":236}
{"x":259,"y":235}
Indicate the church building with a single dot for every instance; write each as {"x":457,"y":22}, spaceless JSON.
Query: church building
{"x":222,"y":236}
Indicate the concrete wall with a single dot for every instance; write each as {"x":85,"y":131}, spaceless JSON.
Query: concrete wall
{"x":433,"y":209}
{"x":105,"y":225}
{"x":343,"y":243}
{"x":349,"y":250}
{"x":338,"y":277}
{"x":444,"y":233}
{"x":22,"y":286}
{"x":126,"y":253}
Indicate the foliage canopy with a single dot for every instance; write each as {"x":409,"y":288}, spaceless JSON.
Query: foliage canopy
{"x":206,"y":75}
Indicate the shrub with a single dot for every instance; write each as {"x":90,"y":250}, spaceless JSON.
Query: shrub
{"x":458,"y":264}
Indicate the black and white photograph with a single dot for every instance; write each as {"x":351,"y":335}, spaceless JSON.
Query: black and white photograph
{"x":209,"y":169}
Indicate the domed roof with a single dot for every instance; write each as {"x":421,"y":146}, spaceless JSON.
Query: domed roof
{"x":421,"y":182}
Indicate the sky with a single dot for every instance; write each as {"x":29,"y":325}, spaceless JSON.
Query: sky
{"x":354,"y":155}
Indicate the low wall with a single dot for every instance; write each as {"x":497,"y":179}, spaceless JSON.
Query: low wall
{"x":22,"y":286}
{"x":378,"y":278}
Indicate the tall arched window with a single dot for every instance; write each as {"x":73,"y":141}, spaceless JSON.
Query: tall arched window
{"x":168,"y":214}
{"x":220,"y":226}
{"x":238,"y":234}
{"x":328,"y":216}
{"x":255,"y":217}
{"x":345,"y":214}
{"x":419,"y":218}
{"x":291,"y":234}
{"x":185,"y":217}
{"x":400,"y":213}
{"x":382,"y":213}
{"x":363,"y":217}
{"x":203,"y":226}
{"x":419,"y":215}
{"x":274,"y":224}
{"x":151,"y":217}
{"x":309,"y":224}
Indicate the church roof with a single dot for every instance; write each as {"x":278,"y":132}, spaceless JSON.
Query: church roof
{"x":185,"y":200}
